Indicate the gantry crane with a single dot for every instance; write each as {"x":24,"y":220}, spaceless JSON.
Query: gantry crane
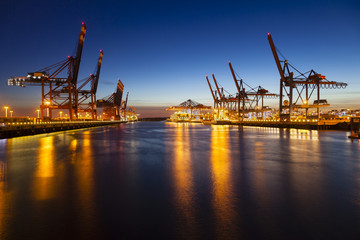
{"x":57,"y":92}
{"x":190,"y":108}
{"x":229,"y":102}
{"x":223,"y":105}
{"x":243,"y":102}
{"x":308,"y":82}
{"x":84,"y":95}
{"x":241,"y":95}
{"x":112,"y":104}
{"x":250,"y":99}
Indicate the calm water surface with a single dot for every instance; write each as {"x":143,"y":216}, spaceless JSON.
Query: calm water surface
{"x":155,"y":180}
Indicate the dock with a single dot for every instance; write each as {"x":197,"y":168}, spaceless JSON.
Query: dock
{"x":17,"y":129}
{"x":313,"y":125}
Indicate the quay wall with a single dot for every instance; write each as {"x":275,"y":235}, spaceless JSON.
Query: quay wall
{"x":9,"y":130}
{"x":313,"y":126}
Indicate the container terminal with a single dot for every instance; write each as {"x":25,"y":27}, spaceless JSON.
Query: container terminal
{"x":61,"y":92}
{"x":73,"y":100}
{"x":300,"y":102}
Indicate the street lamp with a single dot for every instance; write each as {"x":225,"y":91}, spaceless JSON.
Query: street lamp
{"x":6,"y":108}
{"x":11,"y":112}
{"x":47,"y":103}
{"x":60,"y":114}
{"x":38,"y":113}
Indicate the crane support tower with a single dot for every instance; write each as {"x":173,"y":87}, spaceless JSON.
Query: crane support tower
{"x":84,"y":105}
{"x":57,"y":92}
{"x":297,"y":90}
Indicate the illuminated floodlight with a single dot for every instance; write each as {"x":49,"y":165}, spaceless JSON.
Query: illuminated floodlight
{"x":6,"y":109}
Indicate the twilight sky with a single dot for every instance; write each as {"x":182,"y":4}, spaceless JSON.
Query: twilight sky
{"x":162,"y":50}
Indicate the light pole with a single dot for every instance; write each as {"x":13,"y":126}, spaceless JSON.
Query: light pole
{"x":38,"y":112}
{"x":11,"y":112}
{"x":47,"y":103}
{"x":6,"y":108}
{"x":60,"y":114}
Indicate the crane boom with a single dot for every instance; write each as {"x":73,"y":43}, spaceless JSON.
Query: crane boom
{"x":97,"y":74}
{"x":233,"y":74}
{"x":119,"y":93}
{"x":78,"y":53}
{"x":282,"y":78}
{"x":276,"y":57}
{"x":217,"y":87}
{"x":127,"y":95}
{"x":212,"y":93}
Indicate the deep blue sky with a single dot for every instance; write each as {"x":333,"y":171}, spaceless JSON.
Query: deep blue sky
{"x":162,"y":50}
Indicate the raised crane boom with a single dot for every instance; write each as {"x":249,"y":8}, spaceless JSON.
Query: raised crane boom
{"x":241,"y":92}
{"x":303,"y":83}
{"x":217,"y":88}
{"x":212,"y":92}
{"x":119,"y":93}
{"x":58,"y":82}
{"x":276,"y":57}
{"x":79,"y":53}
{"x":126,"y":100}
{"x":282,"y":76}
{"x":236,"y":82}
{"x":84,"y":95}
{"x":97,"y":74}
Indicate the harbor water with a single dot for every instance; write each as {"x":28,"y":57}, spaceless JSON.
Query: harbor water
{"x":158,"y":180}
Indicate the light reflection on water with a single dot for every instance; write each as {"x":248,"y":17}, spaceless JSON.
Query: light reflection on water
{"x":223,"y":195}
{"x":45,"y":171}
{"x":168,"y":180}
{"x":182,"y":171}
{"x":84,"y":173}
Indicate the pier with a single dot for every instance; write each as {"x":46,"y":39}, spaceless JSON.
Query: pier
{"x":17,"y":129}
{"x":313,"y":125}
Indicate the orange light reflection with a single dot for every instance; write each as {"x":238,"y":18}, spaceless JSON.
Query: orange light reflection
{"x":84,"y":168}
{"x":222,"y":183}
{"x":182,"y":170}
{"x":45,"y":171}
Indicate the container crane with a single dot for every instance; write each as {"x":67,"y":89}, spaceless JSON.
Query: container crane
{"x":241,"y":96}
{"x":56,"y":92}
{"x":250,"y":100}
{"x":304,"y":82}
{"x":225,"y":103}
{"x":111,"y":104}
{"x":84,"y":95}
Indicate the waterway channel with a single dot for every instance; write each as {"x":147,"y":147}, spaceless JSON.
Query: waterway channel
{"x":157,"y":180}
